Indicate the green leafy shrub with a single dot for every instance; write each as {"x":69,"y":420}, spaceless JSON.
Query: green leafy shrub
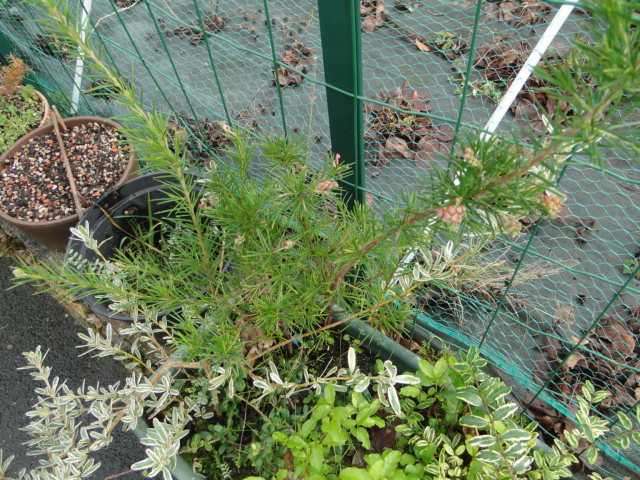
{"x":453,"y":421}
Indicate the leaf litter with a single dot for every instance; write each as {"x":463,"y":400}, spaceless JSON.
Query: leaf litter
{"x":205,"y":135}
{"x":609,"y":357}
{"x":400,"y":135}
{"x":372,"y":14}
{"x":212,"y":23}
{"x":295,"y":56}
{"x":519,"y":13}
{"x":500,"y":64}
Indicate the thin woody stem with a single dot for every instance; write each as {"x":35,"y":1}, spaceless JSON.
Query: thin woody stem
{"x":412,"y":219}
{"x":338,"y":322}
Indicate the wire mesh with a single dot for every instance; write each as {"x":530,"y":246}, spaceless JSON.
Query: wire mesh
{"x":569,"y":309}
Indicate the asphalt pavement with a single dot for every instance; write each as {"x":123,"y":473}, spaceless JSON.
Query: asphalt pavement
{"x":26,"y":321}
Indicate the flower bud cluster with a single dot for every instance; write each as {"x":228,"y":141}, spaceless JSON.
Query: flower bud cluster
{"x":551,"y":202}
{"x":470,"y":157}
{"x":325,"y":186}
{"x":452,"y":213}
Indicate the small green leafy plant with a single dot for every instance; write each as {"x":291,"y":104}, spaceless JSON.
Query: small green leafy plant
{"x":20,"y":107}
{"x":478,"y":86}
{"x":451,"y":421}
{"x":629,"y":266}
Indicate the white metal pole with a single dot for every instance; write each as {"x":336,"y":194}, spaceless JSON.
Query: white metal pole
{"x":525,"y":72}
{"x":77,"y":76}
{"x":509,"y":97}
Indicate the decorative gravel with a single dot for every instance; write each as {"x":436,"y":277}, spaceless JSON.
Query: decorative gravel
{"x":34,"y":184}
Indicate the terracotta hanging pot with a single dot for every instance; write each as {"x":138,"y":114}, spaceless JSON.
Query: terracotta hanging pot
{"x":32,"y":173}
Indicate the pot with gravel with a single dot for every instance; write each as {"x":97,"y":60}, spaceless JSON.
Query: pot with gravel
{"x":22,"y":107}
{"x":35,"y":192}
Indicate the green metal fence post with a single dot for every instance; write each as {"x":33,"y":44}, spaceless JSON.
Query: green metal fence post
{"x":341,"y":53}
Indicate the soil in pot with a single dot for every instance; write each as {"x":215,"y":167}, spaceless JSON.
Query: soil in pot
{"x":33,"y":182}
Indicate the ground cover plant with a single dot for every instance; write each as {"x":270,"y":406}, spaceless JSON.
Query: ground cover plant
{"x":20,"y":107}
{"x":260,"y":265}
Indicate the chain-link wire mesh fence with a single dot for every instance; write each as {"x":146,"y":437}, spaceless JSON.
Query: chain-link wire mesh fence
{"x":566,"y":307}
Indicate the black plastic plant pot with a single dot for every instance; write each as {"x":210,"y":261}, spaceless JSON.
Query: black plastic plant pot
{"x":128,"y":208}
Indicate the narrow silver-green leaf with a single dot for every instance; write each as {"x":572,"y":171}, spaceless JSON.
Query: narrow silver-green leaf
{"x":394,"y":401}
{"x":351,"y":359}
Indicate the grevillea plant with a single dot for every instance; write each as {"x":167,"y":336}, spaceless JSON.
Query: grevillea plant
{"x":252,"y":266}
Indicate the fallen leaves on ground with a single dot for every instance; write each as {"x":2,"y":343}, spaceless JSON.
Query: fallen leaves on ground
{"x":205,"y":135}
{"x":256,"y":341}
{"x":53,"y":47}
{"x":126,"y":3}
{"x":211,"y":22}
{"x":519,"y":13}
{"x":537,"y":99}
{"x":607,"y":356}
{"x":297,"y":56}
{"x":373,"y":14}
{"x":250,"y":21}
{"x":501,"y":61}
{"x":449,"y":45}
{"x":404,"y":135}
{"x":406,"y":5}
{"x":248,"y":117}
{"x":446,"y":44}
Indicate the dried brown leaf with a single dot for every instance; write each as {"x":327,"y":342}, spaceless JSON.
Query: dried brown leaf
{"x":422,"y":46}
{"x":369,"y":24}
{"x":573,"y":360}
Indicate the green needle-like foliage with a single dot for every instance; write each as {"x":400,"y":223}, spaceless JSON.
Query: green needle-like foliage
{"x":283,"y":254}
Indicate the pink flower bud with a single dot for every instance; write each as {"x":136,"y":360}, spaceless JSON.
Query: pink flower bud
{"x":551,"y":202}
{"x":368,"y":198}
{"x":452,"y":213}
{"x":325,"y":186}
